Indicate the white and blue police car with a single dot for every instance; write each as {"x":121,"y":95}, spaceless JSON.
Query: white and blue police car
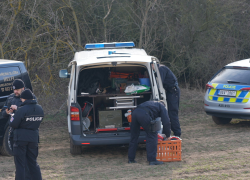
{"x":228,"y":92}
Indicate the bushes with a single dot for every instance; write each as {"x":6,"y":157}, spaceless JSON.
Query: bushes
{"x":195,"y":38}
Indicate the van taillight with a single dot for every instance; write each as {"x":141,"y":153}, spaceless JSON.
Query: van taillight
{"x":208,"y":86}
{"x":74,"y":114}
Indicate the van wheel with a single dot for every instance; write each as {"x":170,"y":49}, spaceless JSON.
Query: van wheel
{"x":6,"y":149}
{"x":220,"y":120}
{"x":74,"y":149}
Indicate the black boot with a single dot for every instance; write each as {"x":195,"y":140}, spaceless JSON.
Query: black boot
{"x":132,"y":161}
{"x":155,"y":162}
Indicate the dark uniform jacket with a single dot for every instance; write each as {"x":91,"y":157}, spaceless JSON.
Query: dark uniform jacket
{"x":168,"y":78}
{"x":26,"y":121}
{"x":12,"y":100}
{"x":156,"y":109}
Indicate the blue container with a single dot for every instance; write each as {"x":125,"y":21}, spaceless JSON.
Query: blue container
{"x":145,"y":81}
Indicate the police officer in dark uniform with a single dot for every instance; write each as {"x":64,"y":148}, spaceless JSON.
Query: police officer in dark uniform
{"x":13,"y":100}
{"x":142,"y":116}
{"x":25,"y":123}
{"x":170,"y":85}
{"x":11,"y":105}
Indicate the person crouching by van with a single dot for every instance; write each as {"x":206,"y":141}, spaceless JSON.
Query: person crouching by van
{"x":143,"y":116}
{"x":25,"y":123}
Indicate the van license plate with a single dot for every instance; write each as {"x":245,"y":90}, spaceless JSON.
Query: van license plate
{"x":227,"y":93}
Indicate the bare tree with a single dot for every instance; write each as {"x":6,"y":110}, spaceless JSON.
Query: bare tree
{"x":15,"y":7}
{"x":109,"y":6}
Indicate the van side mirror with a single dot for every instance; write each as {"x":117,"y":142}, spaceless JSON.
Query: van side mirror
{"x":63,"y":73}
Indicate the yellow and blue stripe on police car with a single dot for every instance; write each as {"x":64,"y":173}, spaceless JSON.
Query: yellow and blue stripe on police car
{"x":241,"y":96}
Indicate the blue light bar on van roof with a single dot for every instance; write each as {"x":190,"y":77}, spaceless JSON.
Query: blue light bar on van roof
{"x":109,"y":45}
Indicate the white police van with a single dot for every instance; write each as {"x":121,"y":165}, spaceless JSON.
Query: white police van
{"x":97,"y":103}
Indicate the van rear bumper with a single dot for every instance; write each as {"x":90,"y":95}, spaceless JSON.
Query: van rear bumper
{"x":105,"y":139}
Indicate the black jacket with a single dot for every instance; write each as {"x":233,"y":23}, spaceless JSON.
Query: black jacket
{"x":168,"y":78}
{"x":156,"y":109}
{"x":26,"y":121}
{"x":12,"y":100}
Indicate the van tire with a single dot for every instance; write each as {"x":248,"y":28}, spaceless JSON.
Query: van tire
{"x":220,"y":120}
{"x":5,"y":150}
{"x":74,"y":149}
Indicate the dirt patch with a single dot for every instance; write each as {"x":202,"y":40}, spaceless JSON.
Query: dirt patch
{"x":209,"y":151}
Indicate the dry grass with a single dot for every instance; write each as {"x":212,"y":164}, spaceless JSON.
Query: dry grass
{"x":209,"y":151}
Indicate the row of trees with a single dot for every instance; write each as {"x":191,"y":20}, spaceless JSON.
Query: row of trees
{"x":194,"y":38}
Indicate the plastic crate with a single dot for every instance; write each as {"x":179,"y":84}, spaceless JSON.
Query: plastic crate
{"x":168,"y":151}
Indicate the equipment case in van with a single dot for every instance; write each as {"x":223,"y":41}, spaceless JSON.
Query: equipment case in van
{"x":109,"y":118}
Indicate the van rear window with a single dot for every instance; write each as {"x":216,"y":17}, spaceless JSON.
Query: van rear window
{"x":7,"y":76}
{"x":233,"y":76}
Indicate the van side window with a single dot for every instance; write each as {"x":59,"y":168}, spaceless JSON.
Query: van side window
{"x":7,"y":76}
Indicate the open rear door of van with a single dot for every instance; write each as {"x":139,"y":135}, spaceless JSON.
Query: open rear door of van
{"x":71,"y":91}
{"x":157,"y":76}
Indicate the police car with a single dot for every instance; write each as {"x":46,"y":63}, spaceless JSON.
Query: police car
{"x":228,"y":92}
{"x":9,"y":71}
{"x":97,"y":102}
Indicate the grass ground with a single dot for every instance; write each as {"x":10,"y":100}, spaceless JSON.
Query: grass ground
{"x":209,"y":151}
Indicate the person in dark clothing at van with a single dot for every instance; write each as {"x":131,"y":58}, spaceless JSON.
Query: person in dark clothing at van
{"x":13,"y":101}
{"x":11,"y":105}
{"x":25,"y":123}
{"x":170,"y":85}
{"x":142,"y":116}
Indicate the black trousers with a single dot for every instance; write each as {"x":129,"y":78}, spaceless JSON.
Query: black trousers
{"x":173,"y":99}
{"x":27,"y":172}
{"x":141,"y":118}
{"x":25,"y":154}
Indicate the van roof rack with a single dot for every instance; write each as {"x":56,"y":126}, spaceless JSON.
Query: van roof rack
{"x":110,"y":45}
